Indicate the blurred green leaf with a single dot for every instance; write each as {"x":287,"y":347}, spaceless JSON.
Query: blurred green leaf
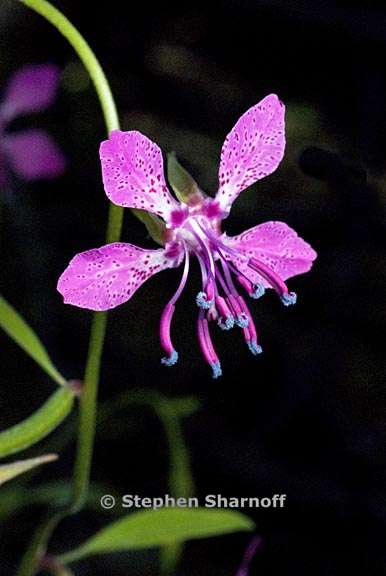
{"x":155,"y":528}
{"x":17,"y":496}
{"x":39,"y":424}
{"x":183,"y":184}
{"x":18,"y":329}
{"x":9,"y":471}
{"x":184,"y":406}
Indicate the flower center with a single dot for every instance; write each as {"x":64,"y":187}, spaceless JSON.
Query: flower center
{"x":197,"y":230}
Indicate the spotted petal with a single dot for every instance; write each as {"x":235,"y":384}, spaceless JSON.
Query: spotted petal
{"x":30,"y":89}
{"x":105,"y":277}
{"x":277,"y":246}
{"x":133,"y":174}
{"x":252,"y":150}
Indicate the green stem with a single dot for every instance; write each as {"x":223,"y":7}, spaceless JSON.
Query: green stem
{"x":52,"y":565}
{"x":64,"y":26}
{"x":30,"y":562}
{"x":98,"y":77}
{"x":88,"y":403}
{"x":87,"y":413}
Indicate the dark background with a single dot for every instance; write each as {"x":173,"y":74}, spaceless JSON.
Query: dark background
{"x":308,"y":417}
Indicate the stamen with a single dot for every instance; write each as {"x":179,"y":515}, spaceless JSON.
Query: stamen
{"x":267,"y":273}
{"x":256,"y":349}
{"x":173,"y":358}
{"x":212,"y":314}
{"x":167,"y":315}
{"x":222,"y":282}
{"x":183,"y":278}
{"x":205,"y":298}
{"x":258,"y":291}
{"x":216,"y":368}
{"x":207,"y":346}
{"x":226,"y":320}
{"x":254,"y":290}
{"x":203,"y":302}
{"x":241,"y":318}
{"x":200,"y":237}
{"x":274,"y":279}
{"x":165,"y":338}
{"x":289,"y":298}
{"x":227,"y":323}
{"x":228,"y":276}
{"x":250,"y":334}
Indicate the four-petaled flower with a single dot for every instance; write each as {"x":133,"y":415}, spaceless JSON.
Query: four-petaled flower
{"x":259,"y":258}
{"x":31,"y":154}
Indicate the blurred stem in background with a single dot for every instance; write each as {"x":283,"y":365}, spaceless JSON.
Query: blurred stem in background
{"x":88,"y":401}
{"x":171,"y":412}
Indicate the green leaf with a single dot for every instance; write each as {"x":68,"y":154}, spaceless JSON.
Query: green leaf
{"x":155,"y":528}
{"x":18,"y":329}
{"x":183,"y":184}
{"x":154,"y":225}
{"x":39,"y":424}
{"x":9,"y":471}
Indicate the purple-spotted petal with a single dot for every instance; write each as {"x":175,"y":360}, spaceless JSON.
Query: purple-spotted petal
{"x":133,"y":173}
{"x":30,"y":89}
{"x":277,"y":246}
{"x":252,"y":150}
{"x":105,"y":277}
{"x":33,"y":154}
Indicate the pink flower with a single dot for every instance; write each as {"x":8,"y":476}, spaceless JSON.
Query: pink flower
{"x":31,"y":154}
{"x":262,"y":257}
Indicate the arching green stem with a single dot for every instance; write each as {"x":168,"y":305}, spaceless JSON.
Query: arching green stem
{"x":88,"y":401}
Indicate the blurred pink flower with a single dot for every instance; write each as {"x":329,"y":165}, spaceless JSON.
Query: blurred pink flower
{"x":259,"y":258}
{"x":31,"y":153}
{"x":248,"y":556}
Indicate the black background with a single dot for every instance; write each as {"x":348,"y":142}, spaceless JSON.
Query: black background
{"x":305,"y":419}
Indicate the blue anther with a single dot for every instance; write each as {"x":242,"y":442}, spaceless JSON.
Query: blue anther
{"x":242,"y":320}
{"x":228,"y":324}
{"x":171,"y":360}
{"x":255,"y":348}
{"x":258,"y":292}
{"x":289,"y":298}
{"x":216,"y":367}
{"x":203,"y":302}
